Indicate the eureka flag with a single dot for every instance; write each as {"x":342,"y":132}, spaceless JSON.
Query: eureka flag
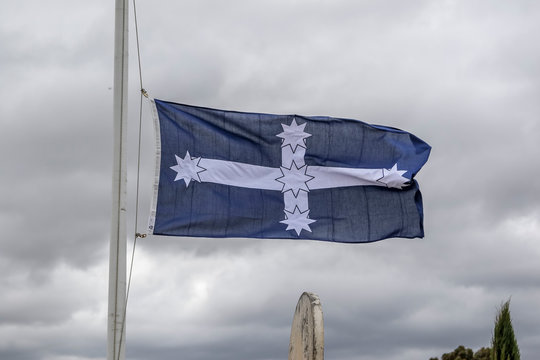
{"x":236,"y":174}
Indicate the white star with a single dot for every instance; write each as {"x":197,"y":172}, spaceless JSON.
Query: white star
{"x":187,"y":168}
{"x":393,"y":178}
{"x":297,"y":220}
{"x":293,"y":135}
{"x":294,"y":179}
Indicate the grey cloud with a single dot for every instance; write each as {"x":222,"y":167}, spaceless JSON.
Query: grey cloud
{"x":461,"y":75}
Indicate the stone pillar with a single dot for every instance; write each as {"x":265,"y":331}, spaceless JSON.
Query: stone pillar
{"x":307,"y":330}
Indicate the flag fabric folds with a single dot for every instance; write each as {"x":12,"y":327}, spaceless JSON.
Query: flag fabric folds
{"x":237,"y":174}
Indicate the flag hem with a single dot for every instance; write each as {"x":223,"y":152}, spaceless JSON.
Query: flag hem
{"x":153,"y":206}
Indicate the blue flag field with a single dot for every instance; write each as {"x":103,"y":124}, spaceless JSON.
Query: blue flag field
{"x":236,"y":174}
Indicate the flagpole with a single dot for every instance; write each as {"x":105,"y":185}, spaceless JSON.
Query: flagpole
{"x":117,"y":254}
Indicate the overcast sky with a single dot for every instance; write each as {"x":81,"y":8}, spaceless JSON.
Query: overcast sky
{"x":462,"y":75}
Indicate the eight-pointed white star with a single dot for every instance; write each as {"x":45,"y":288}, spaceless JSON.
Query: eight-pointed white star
{"x":294,"y":179}
{"x":293,"y":135}
{"x":393,"y":177}
{"x":187,"y":168}
{"x":297,"y":220}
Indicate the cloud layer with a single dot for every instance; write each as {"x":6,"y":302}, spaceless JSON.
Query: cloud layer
{"x":461,"y":75}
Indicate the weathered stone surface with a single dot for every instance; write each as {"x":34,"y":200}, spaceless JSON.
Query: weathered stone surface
{"x":307,"y":330}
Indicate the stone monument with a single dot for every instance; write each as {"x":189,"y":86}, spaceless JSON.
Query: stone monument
{"x":307,"y":330}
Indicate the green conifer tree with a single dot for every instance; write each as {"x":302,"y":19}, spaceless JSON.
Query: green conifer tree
{"x":503,"y":343}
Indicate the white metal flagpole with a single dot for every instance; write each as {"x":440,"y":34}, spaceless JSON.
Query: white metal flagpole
{"x":117,"y":255}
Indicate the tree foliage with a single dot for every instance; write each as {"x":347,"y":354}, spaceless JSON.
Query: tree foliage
{"x":483,"y":353}
{"x":460,"y":353}
{"x":463,"y":353}
{"x":503,"y":343}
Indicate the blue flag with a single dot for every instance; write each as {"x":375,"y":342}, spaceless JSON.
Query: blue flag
{"x":236,"y":174}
